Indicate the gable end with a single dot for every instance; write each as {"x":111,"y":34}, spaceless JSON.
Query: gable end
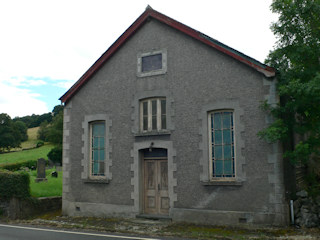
{"x":143,"y":18}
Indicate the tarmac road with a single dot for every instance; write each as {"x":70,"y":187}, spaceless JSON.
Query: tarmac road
{"x":14,"y":232}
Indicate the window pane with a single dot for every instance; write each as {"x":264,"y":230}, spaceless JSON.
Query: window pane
{"x":163,"y":114}
{"x":154,"y":107}
{"x":101,"y":168}
{"x":228,"y":167}
{"x":145,"y":108}
{"x":98,"y":129}
{"x":227,"y":151}
{"x":101,"y":155}
{"x":226,"y":120}
{"x":163,"y":106}
{"x":217,"y":121}
{"x":218,"y":167}
{"x":226,"y":136}
{"x":163,"y":122}
{"x":95,"y":168}
{"x":150,"y":63}
{"x":95,"y":155}
{"x":95,"y":143}
{"x":218,"y":152}
{"x":101,"y":143}
{"x":154,"y":122}
{"x":218,"y":137}
{"x":145,"y":123}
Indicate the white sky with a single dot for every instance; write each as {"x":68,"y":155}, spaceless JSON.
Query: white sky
{"x":45,"y":46}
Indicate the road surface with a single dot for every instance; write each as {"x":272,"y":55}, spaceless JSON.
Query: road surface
{"x":14,"y":232}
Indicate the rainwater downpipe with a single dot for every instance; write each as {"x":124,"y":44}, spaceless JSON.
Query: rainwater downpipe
{"x":291,"y":212}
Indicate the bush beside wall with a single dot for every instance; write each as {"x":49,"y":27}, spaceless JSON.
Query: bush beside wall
{"x":14,"y":184}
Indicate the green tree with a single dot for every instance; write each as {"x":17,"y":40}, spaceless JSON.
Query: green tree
{"x":55,"y":129}
{"x":57,"y":109}
{"x":297,"y":60}
{"x":22,"y":128}
{"x":10,"y":136}
{"x":51,"y":131}
{"x":55,"y":134}
{"x":43,"y":131}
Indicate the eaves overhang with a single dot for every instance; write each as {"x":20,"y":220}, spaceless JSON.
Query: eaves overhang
{"x":149,"y":12}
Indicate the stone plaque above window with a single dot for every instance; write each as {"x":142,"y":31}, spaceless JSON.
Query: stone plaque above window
{"x":152,"y":63}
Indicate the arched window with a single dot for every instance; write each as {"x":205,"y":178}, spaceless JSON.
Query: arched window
{"x":97,"y":148}
{"x":221,"y":144}
{"x":153,"y":115}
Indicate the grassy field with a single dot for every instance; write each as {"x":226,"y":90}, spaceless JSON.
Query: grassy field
{"x":50,"y":188}
{"x":32,"y":138}
{"x":32,"y":154}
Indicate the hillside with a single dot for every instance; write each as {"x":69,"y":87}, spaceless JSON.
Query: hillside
{"x":21,"y":154}
{"x":32,"y":138}
{"x":31,"y":154}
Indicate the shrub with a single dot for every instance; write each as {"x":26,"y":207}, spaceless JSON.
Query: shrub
{"x":17,"y":166}
{"x":14,"y":184}
{"x":55,"y":155}
{"x":40,"y":143}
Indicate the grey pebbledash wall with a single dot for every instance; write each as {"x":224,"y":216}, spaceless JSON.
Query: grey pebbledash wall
{"x":198,"y":79}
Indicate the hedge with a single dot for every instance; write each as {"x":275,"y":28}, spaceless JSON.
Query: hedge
{"x":14,"y":184}
{"x":17,"y":166}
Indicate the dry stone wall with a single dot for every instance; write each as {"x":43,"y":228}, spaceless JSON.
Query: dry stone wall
{"x":306,"y":210}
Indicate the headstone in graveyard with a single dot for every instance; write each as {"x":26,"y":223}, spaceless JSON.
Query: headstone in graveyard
{"x":41,"y":170}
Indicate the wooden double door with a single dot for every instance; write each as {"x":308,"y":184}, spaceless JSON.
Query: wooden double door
{"x":156,"y":197}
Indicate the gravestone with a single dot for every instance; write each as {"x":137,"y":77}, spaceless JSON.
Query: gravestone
{"x":41,"y":170}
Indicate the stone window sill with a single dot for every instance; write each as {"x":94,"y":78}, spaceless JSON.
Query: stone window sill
{"x":222,"y":183}
{"x":103,"y":181}
{"x":153,"y":133}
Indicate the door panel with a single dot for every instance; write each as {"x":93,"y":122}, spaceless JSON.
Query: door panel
{"x":150,"y":187}
{"x":163,"y":189}
{"x":156,"y":197}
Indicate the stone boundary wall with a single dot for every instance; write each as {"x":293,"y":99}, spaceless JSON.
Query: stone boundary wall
{"x":19,"y":209}
{"x":306,"y":210}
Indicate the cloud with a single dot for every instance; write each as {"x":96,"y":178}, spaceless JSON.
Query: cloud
{"x":24,"y":81}
{"x":20,"y":102}
{"x":62,"y":83}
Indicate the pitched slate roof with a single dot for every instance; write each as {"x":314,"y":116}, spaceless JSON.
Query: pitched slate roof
{"x":149,"y":12}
